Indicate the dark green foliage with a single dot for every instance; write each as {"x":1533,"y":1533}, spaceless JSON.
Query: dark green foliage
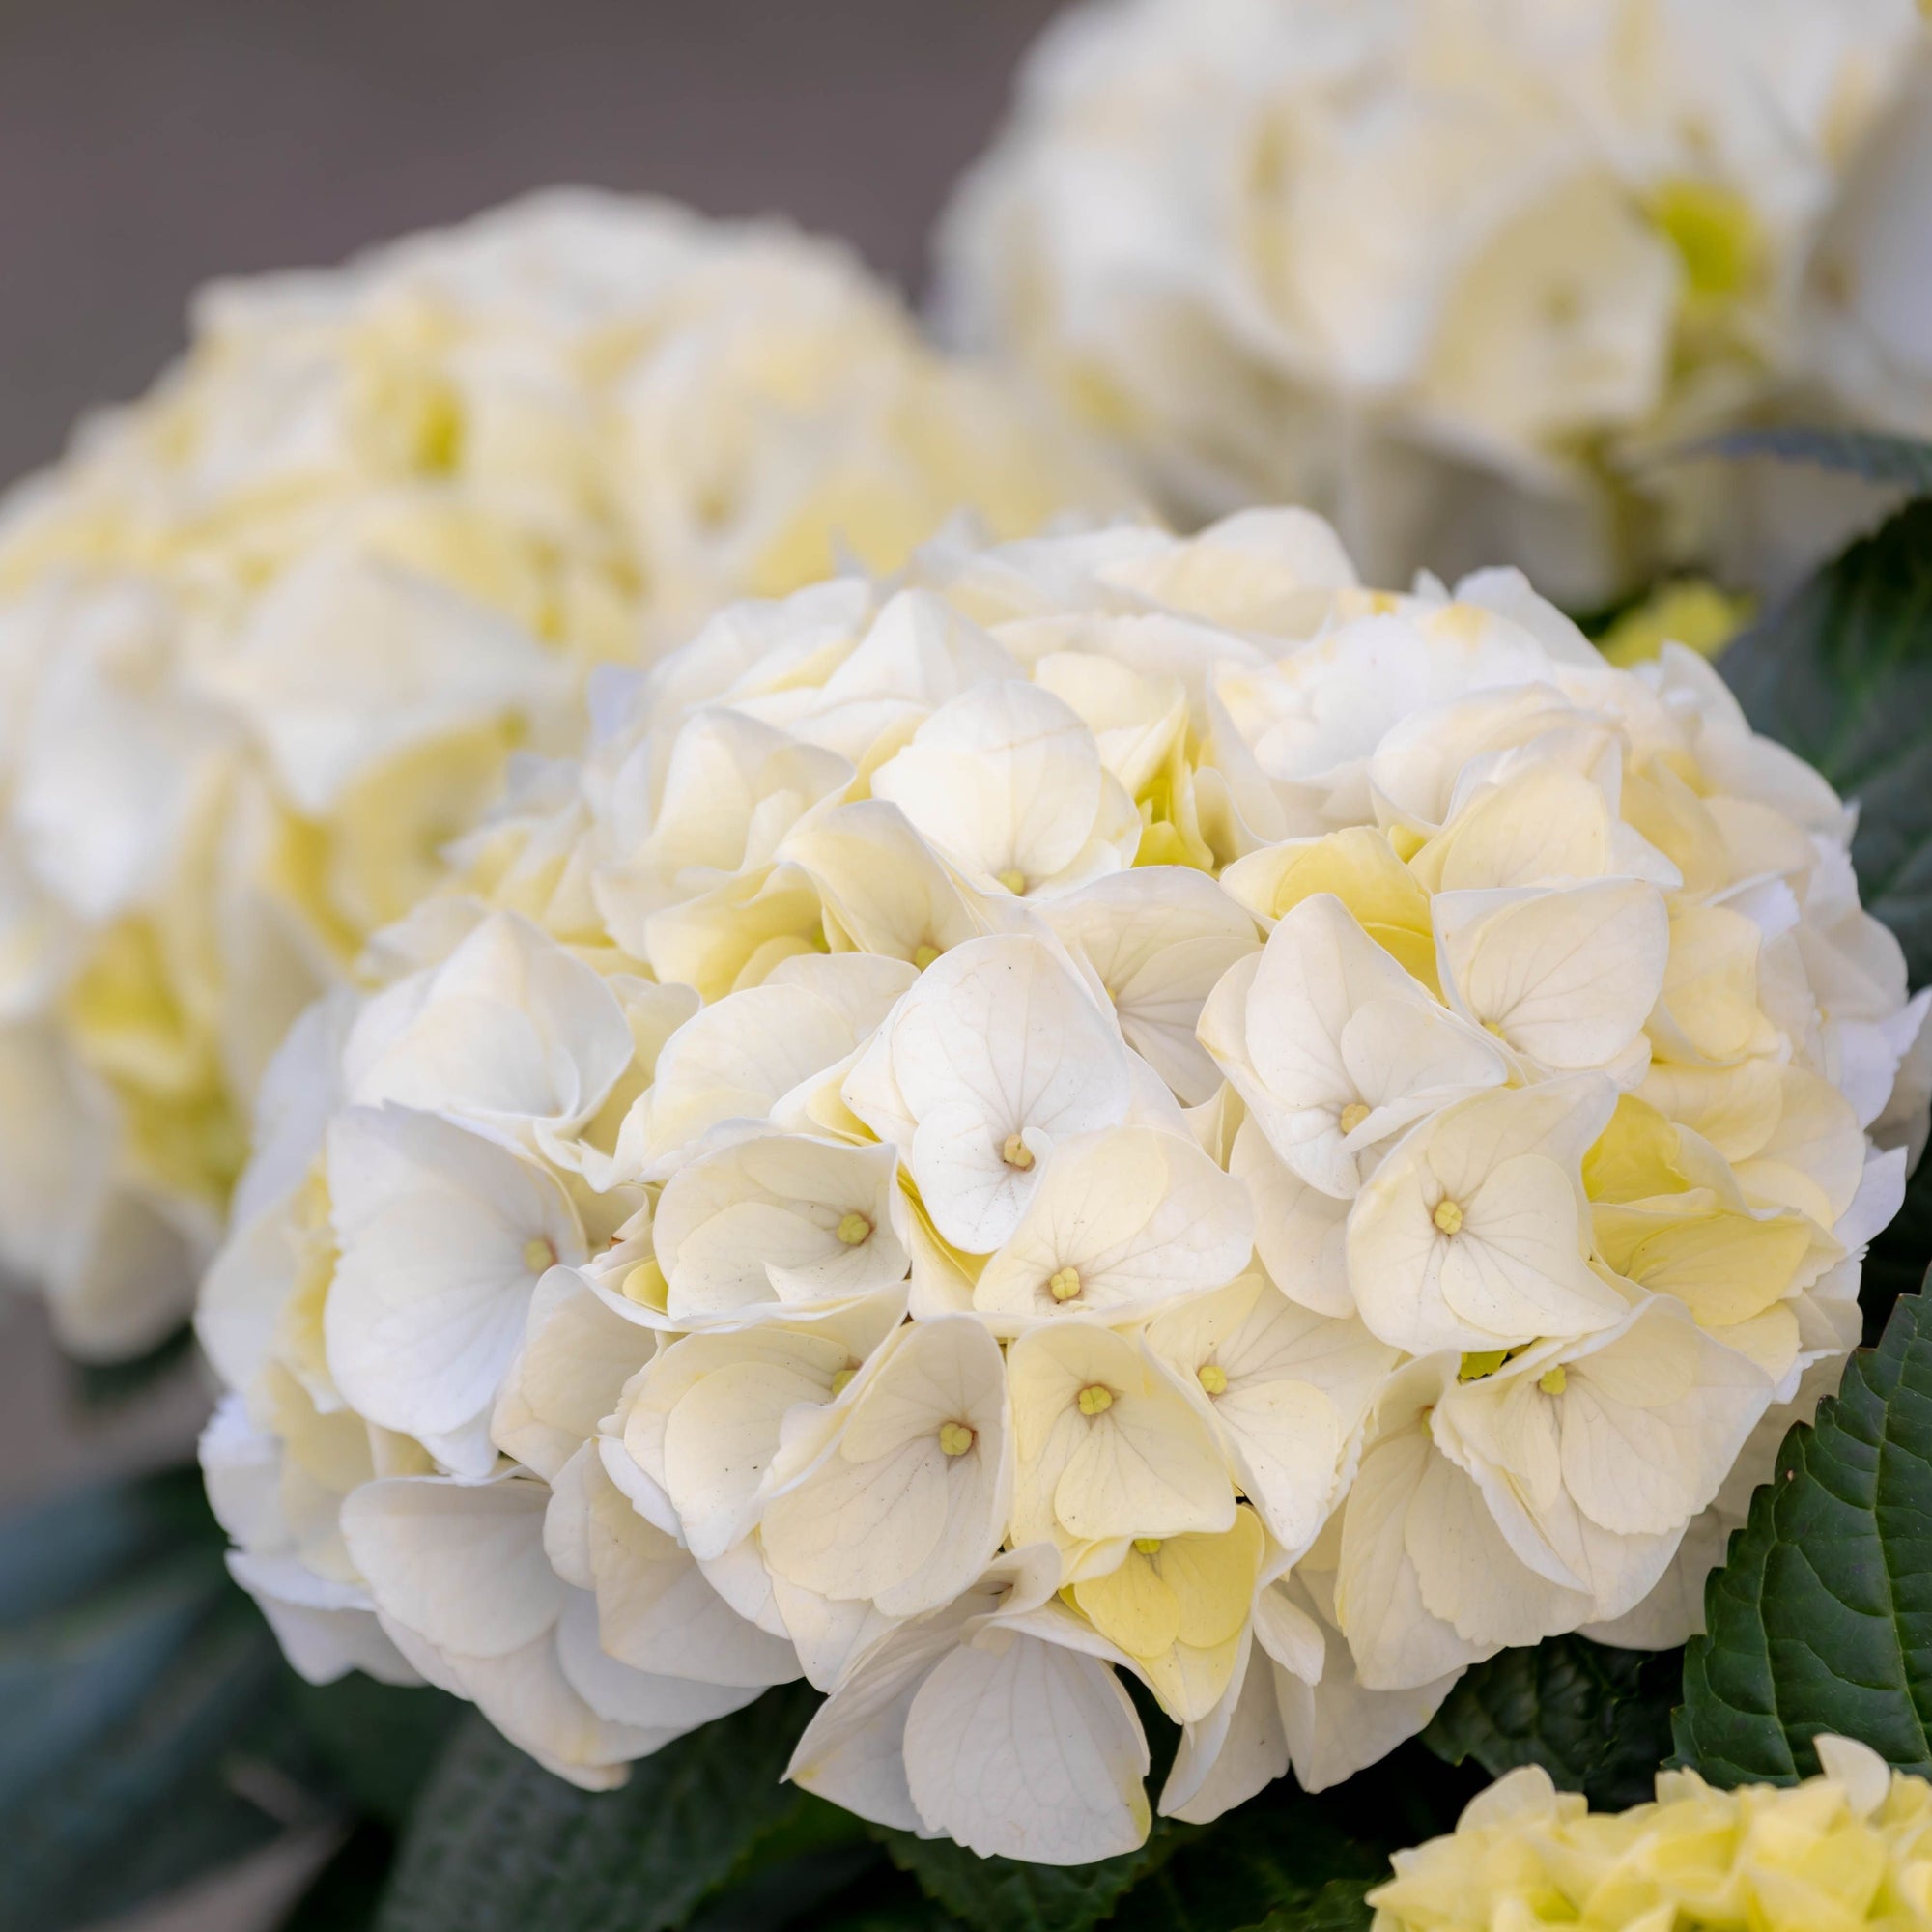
{"x":1896,"y":1264}
{"x":1006,"y":1895}
{"x":1822,"y":1618}
{"x":374,"y":1744}
{"x":143,"y":1706}
{"x":497,"y":1841}
{"x":1598,"y":1719}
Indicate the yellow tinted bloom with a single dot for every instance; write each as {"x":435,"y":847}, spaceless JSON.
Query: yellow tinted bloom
{"x":1846,"y":1848}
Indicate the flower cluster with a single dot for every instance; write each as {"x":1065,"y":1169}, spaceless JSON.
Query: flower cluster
{"x":268,"y":638}
{"x":1850,"y":1848}
{"x":1110,"y":1104}
{"x":1457,"y":269}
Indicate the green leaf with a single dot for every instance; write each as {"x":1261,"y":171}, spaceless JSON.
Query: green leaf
{"x":1342,"y":1905}
{"x":143,"y":1721}
{"x":1896,"y":1264}
{"x":1009,"y":1895}
{"x":1281,"y":1859}
{"x":1821,"y":1620}
{"x":1878,"y":459}
{"x":498,"y":1844}
{"x":892,"y":1903}
{"x":1842,"y":675}
{"x":1598,"y":1719}
{"x":375,"y":1746}
{"x":816,"y":1853}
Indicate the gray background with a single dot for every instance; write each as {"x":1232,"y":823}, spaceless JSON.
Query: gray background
{"x":146,"y":145}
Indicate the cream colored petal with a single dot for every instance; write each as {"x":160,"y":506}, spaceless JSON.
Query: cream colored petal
{"x":442,"y":1237}
{"x":1005,"y":778}
{"x":461,"y":1564}
{"x":1023,"y":1750}
{"x":1300,"y":1233}
{"x":1569,"y":976}
{"x":997,"y":1043}
{"x":577,"y":1356}
{"x":656,"y":1612}
{"x":909,"y":1503}
{"x":1122,"y":1221}
{"x":1159,"y":937}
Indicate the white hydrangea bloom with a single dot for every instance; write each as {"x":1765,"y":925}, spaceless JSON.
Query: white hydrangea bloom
{"x":269,"y":636}
{"x":1452,"y":272}
{"x":1219,"y":1126}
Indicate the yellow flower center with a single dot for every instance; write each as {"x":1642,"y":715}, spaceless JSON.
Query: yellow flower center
{"x":1147,"y":1546}
{"x":1213,"y":1377}
{"x":1065,"y":1285}
{"x":538,"y":1254}
{"x":1014,"y":880}
{"x":854,"y":1229}
{"x":1448,"y":1216}
{"x":1095,"y":1398}
{"x":1714,"y":233}
{"x":1353,"y":1115}
{"x":925,"y":953}
{"x":1015,"y":1153}
{"x":955,"y":1438}
{"x":1552,"y":1381}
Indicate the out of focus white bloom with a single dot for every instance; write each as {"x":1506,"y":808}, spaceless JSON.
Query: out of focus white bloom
{"x":1217,"y":1125}
{"x":1455,"y":271}
{"x":269,"y":636}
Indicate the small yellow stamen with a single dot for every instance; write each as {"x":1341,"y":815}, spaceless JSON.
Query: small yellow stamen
{"x":538,"y":1254}
{"x":1016,"y":1154}
{"x":1063,"y":1285}
{"x":854,"y":1229}
{"x":1353,"y":1115}
{"x":1448,"y":1216}
{"x":925,"y":953}
{"x":1214,"y":1378}
{"x":1714,"y":233}
{"x":1014,"y":880}
{"x":842,"y":1381}
{"x":955,"y":1438}
{"x":1095,"y":1398}
{"x":1483,"y":1362}
{"x":1147,"y":1546}
{"x":1553,"y":1381}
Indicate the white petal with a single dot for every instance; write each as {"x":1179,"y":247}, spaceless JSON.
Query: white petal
{"x":1026,"y":1751}
{"x":1138,"y":1218}
{"x":461,"y":1564}
{"x":442,"y":1237}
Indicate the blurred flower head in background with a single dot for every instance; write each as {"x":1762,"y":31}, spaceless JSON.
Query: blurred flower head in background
{"x":1460,"y":271}
{"x":268,"y":636}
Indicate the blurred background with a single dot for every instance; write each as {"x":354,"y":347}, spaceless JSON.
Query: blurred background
{"x":146,"y":145}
